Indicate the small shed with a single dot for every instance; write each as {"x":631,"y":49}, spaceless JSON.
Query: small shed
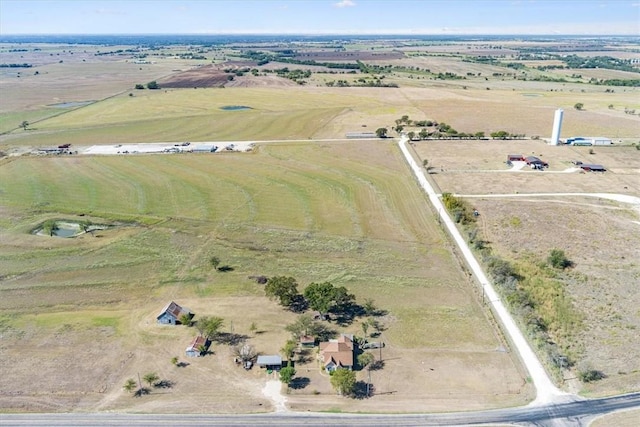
{"x":515,"y":158}
{"x":592,"y":168}
{"x":204,"y":148}
{"x":197,"y":346}
{"x":171,"y":314}
{"x":270,"y":362}
{"x":307,"y":341}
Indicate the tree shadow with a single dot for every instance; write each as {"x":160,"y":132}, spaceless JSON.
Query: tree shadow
{"x":141,"y":392}
{"x":377,"y":365}
{"x":360,"y":390}
{"x":298,"y":304}
{"x":230,"y":338}
{"x":182,"y":364}
{"x":225,"y":268}
{"x":164,"y":384}
{"x":299,"y":383}
{"x":305,"y":356}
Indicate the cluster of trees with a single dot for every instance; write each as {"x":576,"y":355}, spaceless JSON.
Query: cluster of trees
{"x":323,"y":297}
{"x":150,"y":85}
{"x":461,"y":210}
{"x":151,"y":378}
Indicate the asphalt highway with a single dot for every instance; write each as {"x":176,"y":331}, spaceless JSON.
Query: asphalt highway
{"x":569,"y":413}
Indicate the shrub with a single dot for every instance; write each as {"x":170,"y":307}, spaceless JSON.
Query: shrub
{"x":557,"y":259}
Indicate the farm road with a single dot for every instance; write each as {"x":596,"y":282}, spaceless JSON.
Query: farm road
{"x":547,"y":392}
{"x":622,"y":198}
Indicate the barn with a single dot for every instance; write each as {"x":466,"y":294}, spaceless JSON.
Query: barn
{"x":592,"y":168}
{"x":172,"y":313}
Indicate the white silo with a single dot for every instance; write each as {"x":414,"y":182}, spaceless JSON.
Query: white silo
{"x":557,"y":126}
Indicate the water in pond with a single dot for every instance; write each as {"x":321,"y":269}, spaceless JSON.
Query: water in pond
{"x":66,"y":232}
{"x":235,"y":107}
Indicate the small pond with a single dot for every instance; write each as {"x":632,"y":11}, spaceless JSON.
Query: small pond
{"x":235,"y":107}
{"x":65,"y":228}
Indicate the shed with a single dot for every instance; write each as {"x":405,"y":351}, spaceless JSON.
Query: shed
{"x":171,"y":314}
{"x":307,"y":341}
{"x":270,"y":362}
{"x":204,"y":148}
{"x":533,"y":160}
{"x":592,"y":168}
{"x":515,"y":158}
{"x":197,"y":346}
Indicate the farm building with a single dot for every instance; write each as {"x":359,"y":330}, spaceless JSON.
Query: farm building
{"x":590,"y":140}
{"x":204,"y":148}
{"x":198,"y":346}
{"x":592,"y":168}
{"x":172,"y":313}
{"x":337,"y":354}
{"x":515,"y":158}
{"x":535,"y":161}
{"x":307,"y":341}
{"x":270,"y":362}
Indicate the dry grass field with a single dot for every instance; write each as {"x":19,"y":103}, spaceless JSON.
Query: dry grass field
{"x":601,"y":237}
{"x":343,"y":212}
{"x":83,"y":310}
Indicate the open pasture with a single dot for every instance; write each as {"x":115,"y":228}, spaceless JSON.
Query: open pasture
{"x":344,"y":211}
{"x":322,"y":112}
{"x":600,"y":236}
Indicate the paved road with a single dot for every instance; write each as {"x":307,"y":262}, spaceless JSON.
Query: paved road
{"x":569,"y":413}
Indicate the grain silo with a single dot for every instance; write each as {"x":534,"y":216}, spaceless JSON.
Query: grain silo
{"x":557,"y":126}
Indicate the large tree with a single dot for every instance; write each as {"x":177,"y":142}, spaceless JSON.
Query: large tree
{"x":209,"y":326}
{"x":381,"y":132}
{"x":151,"y":378}
{"x":325,"y":297}
{"x":321,"y":296}
{"x":305,"y":325}
{"x":343,"y":381}
{"x":284,"y":289}
{"x":286,"y":374}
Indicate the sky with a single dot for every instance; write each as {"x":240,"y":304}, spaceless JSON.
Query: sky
{"x":438,"y":17}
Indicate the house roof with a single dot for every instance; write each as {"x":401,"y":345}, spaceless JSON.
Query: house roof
{"x":591,"y":167}
{"x":197,"y":342}
{"x":174,"y":310}
{"x":269,"y":360}
{"x":339,"y":351}
{"x":307,"y":339}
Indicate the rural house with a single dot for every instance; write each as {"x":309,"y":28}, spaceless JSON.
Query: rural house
{"x":198,"y":346}
{"x":337,"y":354}
{"x":171,"y":314}
{"x":534,"y":161}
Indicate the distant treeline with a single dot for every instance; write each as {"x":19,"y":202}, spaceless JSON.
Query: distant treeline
{"x":25,"y":65}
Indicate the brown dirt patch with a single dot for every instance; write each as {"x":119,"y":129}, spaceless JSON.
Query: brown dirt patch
{"x":206,"y":76}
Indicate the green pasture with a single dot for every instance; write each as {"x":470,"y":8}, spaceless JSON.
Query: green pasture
{"x":196,"y":115}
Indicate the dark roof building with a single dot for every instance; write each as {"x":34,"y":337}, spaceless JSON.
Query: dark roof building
{"x":592,"y":168}
{"x":533,"y":160}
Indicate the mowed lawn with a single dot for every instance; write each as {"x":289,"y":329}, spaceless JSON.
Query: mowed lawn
{"x":345,"y":212}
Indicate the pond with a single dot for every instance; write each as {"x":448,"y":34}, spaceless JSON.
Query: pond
{"x":235,"y":107}
{"x":65,"y":228}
